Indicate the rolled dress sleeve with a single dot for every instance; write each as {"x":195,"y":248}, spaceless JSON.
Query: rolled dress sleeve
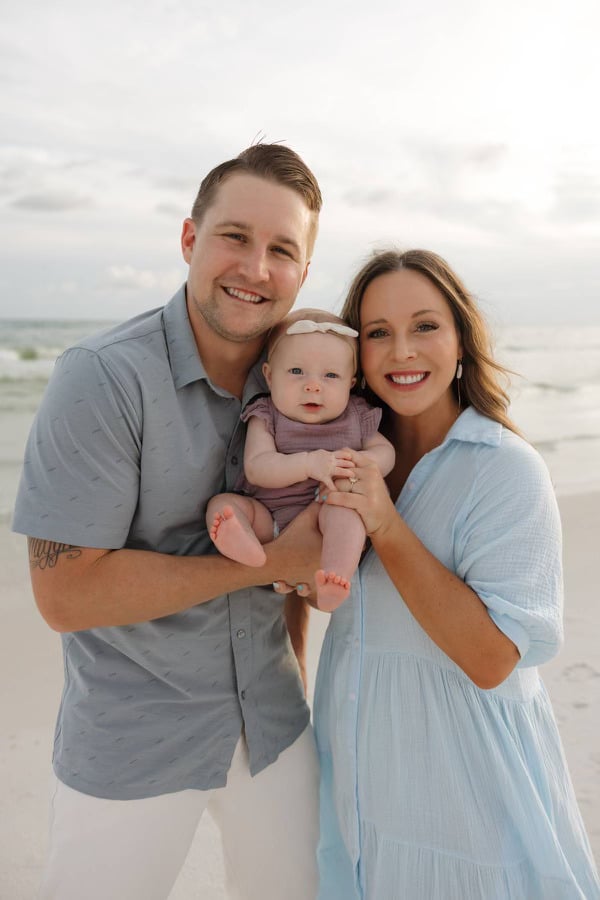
{"x":509,"y":548}
{"x":80,"y":481}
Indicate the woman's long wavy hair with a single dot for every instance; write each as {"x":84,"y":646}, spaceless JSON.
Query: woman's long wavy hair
{"x":480,"y":383}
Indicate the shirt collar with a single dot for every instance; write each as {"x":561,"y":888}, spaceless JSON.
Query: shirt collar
{"x":474,"y":428}
{"x":186,"y":363}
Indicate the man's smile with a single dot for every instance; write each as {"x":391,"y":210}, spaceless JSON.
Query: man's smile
{"x":246,"y":296}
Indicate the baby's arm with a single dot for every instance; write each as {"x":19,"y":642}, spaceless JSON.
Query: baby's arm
{"x":265,"y":466}
{"x":382,"y":451}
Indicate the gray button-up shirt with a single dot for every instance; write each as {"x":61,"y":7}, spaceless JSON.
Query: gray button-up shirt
{"x":130,"y":442}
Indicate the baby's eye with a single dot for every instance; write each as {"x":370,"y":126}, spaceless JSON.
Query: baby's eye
{"x":295,"y":370}
{"x":332,"y":375}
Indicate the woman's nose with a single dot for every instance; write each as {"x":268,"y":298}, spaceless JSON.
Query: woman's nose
{"x":404,"y":347}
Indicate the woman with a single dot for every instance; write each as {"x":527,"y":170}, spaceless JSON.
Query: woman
{"x":443,"y":776}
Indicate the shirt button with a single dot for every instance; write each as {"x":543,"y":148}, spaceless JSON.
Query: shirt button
{"x":243,"y":695}
{"x":241,"y":633}
{"x":234,"y":460}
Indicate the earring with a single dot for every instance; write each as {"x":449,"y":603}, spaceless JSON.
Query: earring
{"x":459,"y":369}
{"x":363,"y":383}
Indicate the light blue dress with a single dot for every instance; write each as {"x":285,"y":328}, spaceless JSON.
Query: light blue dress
{"x":433,"y":789}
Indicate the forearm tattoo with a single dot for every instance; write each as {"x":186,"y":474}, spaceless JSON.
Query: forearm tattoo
{"x":45,"y":554}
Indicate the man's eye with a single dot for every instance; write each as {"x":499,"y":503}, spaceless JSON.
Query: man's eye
{"x":236,"y":236}
{"x":296,"y":370}
{"x":282,"y":251}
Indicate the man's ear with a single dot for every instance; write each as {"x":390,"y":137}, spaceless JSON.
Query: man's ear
{"x":266,"y":368}
{"x":188,"y":238}
{"x":305,"y":273}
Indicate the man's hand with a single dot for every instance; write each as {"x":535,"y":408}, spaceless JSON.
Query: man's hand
{"x":294,"y":557}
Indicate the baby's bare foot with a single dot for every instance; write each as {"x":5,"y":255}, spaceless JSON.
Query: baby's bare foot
{"x":234,"y":538}
{"x":332,"y":590}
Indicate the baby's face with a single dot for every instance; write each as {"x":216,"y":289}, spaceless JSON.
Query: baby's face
{"x":310,"y":376}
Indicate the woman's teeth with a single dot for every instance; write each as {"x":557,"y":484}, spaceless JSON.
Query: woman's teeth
{"x":407,"y":379}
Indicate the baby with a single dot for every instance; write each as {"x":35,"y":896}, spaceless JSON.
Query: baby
{"x":298,"y":438}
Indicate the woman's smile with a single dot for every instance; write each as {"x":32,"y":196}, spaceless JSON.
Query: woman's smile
{"x":407,"y":380}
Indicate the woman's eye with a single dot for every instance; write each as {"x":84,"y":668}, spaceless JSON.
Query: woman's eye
{"x":427,"y":326}
{"x":377,"y":333}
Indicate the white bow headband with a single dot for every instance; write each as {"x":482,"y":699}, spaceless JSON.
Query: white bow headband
{"x":307,"y":326}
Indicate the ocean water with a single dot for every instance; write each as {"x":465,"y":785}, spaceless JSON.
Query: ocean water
{"x":555,"y":399}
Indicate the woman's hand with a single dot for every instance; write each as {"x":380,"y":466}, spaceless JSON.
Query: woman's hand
{"x":365,"y":491}
{"x":324,"y":466}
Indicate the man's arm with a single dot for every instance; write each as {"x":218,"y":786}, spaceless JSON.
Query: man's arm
{"x":297,"y":618}
{"x":77,"y":588}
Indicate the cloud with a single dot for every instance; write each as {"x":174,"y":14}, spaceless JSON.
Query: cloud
{"x":370,"y":196}
{"x":577,"y":198}
{"x":129,"y":278}
{"x":52,"y":201}
{"x":173,"y":210}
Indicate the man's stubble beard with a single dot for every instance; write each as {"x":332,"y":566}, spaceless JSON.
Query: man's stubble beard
{"x":209,"y":313}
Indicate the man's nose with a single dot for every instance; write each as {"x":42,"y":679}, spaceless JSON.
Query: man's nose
{"x":255,"y":265}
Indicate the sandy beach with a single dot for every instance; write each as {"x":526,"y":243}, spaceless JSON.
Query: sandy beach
{"x":32,"y":679}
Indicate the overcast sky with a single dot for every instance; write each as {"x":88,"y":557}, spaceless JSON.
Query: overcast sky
{"x":469,"y":127}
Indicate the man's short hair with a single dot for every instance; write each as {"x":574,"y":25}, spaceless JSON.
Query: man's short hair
{"x":274,"y":162}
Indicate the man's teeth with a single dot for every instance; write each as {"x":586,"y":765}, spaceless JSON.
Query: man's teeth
{"x":407,"y":379}
{"x":243,"y":295}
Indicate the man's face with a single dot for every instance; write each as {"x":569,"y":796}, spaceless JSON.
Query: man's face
{"x":248,"y":257}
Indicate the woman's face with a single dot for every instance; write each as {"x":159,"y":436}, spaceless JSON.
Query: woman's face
{"x":409,"y":345}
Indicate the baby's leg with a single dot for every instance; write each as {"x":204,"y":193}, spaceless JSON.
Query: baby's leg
{"x":343,"y":540}
{"x":239,"y":525}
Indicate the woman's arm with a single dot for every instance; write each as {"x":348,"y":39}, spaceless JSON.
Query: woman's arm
{"x":446,"y":608}
{"x":265,"y":466}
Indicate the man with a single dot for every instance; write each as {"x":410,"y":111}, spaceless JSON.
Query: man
{"x":173,"y":704}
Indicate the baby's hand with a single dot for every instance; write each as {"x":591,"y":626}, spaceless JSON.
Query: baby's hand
{"x":324,"y":465}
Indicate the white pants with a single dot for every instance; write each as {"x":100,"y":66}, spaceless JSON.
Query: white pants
{"x":134,"y":849}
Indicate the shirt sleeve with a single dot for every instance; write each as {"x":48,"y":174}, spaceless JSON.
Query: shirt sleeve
{"x":80,"y":480}
{"x":369,"y":417}
{"x":509,"y":550}
{"x":263,"y":409}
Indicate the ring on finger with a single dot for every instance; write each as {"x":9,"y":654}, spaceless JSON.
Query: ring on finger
{"x":352,"y":481}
